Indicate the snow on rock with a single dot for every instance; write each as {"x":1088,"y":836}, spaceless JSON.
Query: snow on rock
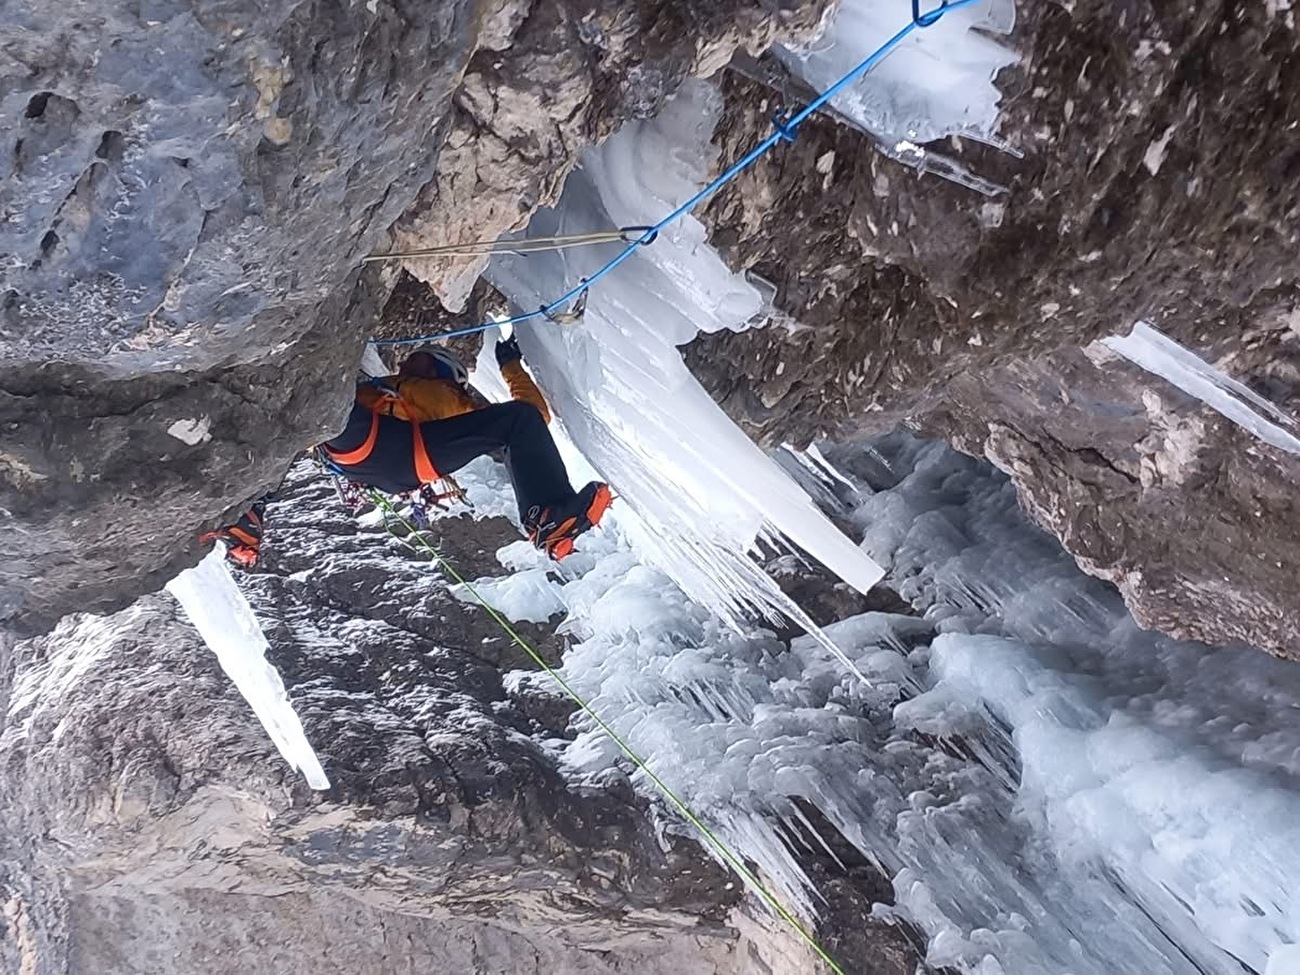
{"x":191,"y":432}
{"x":1284,"y":961}
{"x":45,"y":685}
{"x":221,"y":614}
{"x":702,"y":492}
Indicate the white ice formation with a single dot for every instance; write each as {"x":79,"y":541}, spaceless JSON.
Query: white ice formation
{"x":937,"y":82}
{"x":1152,"y":350}
{"x":371,"y":363}
{"x":219,"y":611}
{"x":704,"y":494}
{"x":1050,"y":788}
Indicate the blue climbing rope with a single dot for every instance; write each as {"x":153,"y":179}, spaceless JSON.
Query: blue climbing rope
{"x":786,"y":130}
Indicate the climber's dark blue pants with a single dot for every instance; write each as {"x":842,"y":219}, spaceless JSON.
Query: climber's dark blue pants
{"x":517,"y":428}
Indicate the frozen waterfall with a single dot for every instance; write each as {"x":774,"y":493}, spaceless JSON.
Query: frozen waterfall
{"x":1050,"y":788}
{"x":704,"y":493}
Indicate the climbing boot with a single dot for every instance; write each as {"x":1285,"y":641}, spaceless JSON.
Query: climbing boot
{"x":554,"y":527}
{"x":243,"y":539}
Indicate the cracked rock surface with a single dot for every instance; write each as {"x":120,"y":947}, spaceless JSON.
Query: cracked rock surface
{"x":1157,"y":184}
{"x":150,"y":827}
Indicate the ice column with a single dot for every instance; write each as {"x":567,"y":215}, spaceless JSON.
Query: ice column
{"x":1155,"y":352}
{"x":937,"y":82}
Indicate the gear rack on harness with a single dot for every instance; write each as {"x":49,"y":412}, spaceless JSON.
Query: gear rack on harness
{"x":442,"y":495}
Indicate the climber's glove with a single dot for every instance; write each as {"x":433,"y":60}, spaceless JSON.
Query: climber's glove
{"x":508,"y":351}
{"x":243,"y":539}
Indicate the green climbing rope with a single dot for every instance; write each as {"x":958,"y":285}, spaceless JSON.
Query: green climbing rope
{"x":711,"y":838}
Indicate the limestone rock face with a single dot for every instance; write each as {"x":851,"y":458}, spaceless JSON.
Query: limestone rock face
{"x":187,"y":197}
{"x":1192,"y":518}
{"x":1157,"y":183}
{"x":151,"y":828}
{"x":176,"y":818}
{"x":566,"y":77}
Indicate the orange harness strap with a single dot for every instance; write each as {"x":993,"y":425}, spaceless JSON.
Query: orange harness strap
{"x":424,"y":469}
{"x":244,"y":537}
{"x":361,"y":453}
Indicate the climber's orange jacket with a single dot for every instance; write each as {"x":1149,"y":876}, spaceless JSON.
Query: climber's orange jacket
{"x":420,"y":400}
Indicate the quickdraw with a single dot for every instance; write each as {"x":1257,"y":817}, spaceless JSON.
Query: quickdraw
{"x":573,"y":316}
{"x":429,"y":498}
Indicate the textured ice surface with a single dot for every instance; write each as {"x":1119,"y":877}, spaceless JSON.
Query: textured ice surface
{"x":937,"y":82}
{"x":1052,"y":789}
{"x":221,"y":614}
{"x":1155,"y":352}
{"x":703,"y":493}
{"x":1155,"y":774}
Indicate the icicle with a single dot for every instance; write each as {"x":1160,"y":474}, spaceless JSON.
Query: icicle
{"x":221,"y":614}
{"x":1161,"y":355}
{"x":702,"y":490}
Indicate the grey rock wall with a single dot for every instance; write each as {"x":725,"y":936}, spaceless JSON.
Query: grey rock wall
{"x":565,"y":79}
{"x":1194,"y":520}
{"x":149,"y":826}
{"x":1157,"y":183}
{"x":187,"y":193}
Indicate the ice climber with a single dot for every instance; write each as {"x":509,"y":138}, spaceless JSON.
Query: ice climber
{"x":410,"y":429}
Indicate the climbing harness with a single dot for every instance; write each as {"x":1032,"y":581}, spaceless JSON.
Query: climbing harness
{"x":710,"y":838}
{"x":382,"y":399}
{"x":786,"y":130}
{"x":351,"y":494}
{"x":530,"y":245}
{"x":442,"y":494}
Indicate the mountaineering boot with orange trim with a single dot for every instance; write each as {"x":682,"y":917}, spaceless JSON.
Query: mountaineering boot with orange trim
{"x":244,"y":538}
{"x":554,"y":527}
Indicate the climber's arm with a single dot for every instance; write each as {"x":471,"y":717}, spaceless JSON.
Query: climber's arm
{"x":522,"y":387}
